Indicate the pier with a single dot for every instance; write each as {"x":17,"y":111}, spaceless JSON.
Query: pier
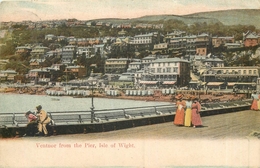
{"x":77,"y":122}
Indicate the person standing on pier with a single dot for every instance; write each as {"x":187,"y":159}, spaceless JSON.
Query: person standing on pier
{"x":179,"y":116}
{"x":187,"y":121}
{"x":195,"y":112}
{"x":43,"y":120}
{"x":254,"y":105}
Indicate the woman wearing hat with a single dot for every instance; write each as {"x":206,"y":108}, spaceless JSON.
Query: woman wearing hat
{"x":31,"y":127}
{"x":43,"y":120}
{"x":187,"y":121}
{"x":179,"y":116}
{"x":195,"y":112}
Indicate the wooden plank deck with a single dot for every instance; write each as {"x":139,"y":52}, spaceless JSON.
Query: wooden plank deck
{"x":231,"y":125}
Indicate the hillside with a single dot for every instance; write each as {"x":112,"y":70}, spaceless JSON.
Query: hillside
{"x":233,"y":17}
{"x":162,"y":18}
{"x":227,"y":17}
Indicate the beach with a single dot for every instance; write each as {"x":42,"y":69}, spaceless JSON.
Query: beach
{"x":204,"y":96}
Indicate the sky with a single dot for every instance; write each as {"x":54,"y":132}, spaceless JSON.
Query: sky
{"x":37,"y":10}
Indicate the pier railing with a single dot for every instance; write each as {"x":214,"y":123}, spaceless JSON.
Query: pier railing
{"x":84,"y":117}
{"x":73,"y":122}
{"x":114,"y":115}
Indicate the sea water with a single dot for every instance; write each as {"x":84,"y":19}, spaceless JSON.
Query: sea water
{"x":21,"y":103}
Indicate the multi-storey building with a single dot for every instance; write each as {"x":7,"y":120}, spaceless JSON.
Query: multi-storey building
{"x":218,"y":41}
{"x":167,"y":72}
{"x":61,"y":38}
{"x":213,"y":62}
{"x":68,"y":53}
{"x":203,"y":44}
{"x":135,"y":65}
{"x":87,"y":51}
{"x":146,"y":61}
{"x":242,"y":77}
{"x":8,"y":75}
{"x":161,"y":46}
{"x":121,"y":44}
{"x":36,"y":63}
{"x":82,"y":42}
{"x":23,"y":50}
{"x":190,"y":48}
{"x":50,"y":37}
{"x":72,"y":40}
{"x":176,"y":33}
{"x":146,"y":40}
{"x":250,"y":39}
{"x":116,"y":66}
{"x":39,"y":51}
{"x":39,"y":76}
{"x":76,"y":71}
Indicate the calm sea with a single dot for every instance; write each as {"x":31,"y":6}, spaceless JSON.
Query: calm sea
{"x":20,"y":103}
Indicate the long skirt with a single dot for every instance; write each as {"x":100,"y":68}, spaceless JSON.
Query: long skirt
{"x":179,"y":117}
{"x":254,"y":105}
{"x":187,"y":122}
{"x":258,"y":104}
{"x":195,"y":118}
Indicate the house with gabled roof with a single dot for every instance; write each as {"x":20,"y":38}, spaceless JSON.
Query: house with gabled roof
{"x":250,"y":39}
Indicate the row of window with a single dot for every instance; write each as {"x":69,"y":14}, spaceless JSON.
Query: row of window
{"x":142,"y":38}
{"x":164,"y":64}
{"x":163,"y":70}
{"x":142,"y":41}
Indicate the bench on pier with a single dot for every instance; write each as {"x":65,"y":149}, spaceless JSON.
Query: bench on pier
{"x":166,"y":109}
{"x":7,"y":120}
{"x":109,"y":115}
{"x":68,"y":118}
{"x":141,"y":112}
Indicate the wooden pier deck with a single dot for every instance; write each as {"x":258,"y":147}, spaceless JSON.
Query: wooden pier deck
{"x":230,"y":125}
{"x":225,"y":141}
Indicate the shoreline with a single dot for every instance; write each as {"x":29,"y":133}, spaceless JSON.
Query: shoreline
{"x":157,"y":96}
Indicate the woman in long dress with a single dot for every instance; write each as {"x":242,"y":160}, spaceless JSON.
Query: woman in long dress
{"x":179,"y":116}
{"x":195,"y":113}
{"x":254,"y":105}
{"x":188,"y":102}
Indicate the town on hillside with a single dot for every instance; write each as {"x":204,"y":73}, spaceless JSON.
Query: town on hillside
{"x":72,"y":56}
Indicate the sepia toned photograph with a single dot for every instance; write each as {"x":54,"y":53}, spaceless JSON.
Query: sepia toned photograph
{"x":129,"y":83}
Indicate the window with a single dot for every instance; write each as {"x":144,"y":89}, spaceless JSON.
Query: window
{"x":244,"y":71}
{"x":168,"y":69}
{"x":250,"y":71}
{"x":159,"y":70}
{"x":254,"y":72}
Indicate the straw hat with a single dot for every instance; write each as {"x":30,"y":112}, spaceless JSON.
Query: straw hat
{"x":193,"y":97}
{"x":188,"y":97}
{"x":179,"y":96}
{"x":39,"y":107}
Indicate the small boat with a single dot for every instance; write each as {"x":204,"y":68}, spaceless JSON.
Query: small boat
{"x":55,"y":99}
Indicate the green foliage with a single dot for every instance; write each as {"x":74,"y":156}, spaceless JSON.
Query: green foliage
{"x":8,"y":49}
{"x":18,"y":66}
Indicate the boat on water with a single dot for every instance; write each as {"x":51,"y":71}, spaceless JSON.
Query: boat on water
{"x":55,"y":99}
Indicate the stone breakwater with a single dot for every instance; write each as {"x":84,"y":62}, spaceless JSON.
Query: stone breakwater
{"x":157,"y":95}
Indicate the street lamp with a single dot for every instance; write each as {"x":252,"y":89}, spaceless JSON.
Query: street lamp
{"x":92,"y":103}
{"x":92,"y":99}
